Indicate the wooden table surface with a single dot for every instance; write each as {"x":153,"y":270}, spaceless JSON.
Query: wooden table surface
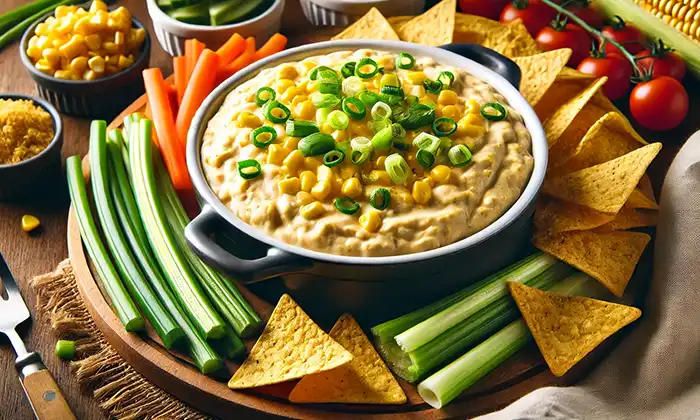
{"x":30,"y":255}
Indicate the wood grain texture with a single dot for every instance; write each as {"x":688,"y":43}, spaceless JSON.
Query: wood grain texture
{"x":30,"y":255}
{"x":46,"y":397}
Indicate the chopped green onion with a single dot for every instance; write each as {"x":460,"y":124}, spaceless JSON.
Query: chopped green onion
{"x":405,"y":61}
{"x":446,"y":78}
{"x":380,"y":198}
{"x":249,"y":168}
{"x":316,"y":70}
{"x":432,"y":86}
{"x":300,"y":128}
{"x":493,"y":111}
{"x":353,"y":86}
{"x":360,"y":68}
{"x":261,"y":137}
{"x":361,"y":143}
{"x":383,"y":140}
{"x":348,"y":69}
{"x":397,"y":167}
{"x":369,"y":98}
{"x":354,"y":108}
{"x":324,"y":100}
{"x":380,"y":111}
{"x":276,"y":112}
{"x":417,"y":116}
{"x":358,"y":157}
{"x":263,"y":95}
{"x":316,"y":144}
{"x":412,"y":99}
{"x":425,"y":140}
{"x":439,"y":126}
{"x":377,"y":126}
{"x":459,"y":155}
{"x":338,"y":120}
{"x":65,"y":349}
{"x":397,"y":132}
{"x":329,"y":83}
{"x":426,"y":155}
{"x":333,"y":158}
{"x":346,"y":205}
{"x":322,"y":115}
{"x":343,"y":146}
{"x":392,"y":90}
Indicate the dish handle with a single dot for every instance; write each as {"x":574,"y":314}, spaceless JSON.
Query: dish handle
{"x":489,"y":58}
{"x":275,"y":263}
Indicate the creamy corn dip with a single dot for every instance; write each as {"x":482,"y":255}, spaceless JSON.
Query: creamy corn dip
{"x":451,"y":158}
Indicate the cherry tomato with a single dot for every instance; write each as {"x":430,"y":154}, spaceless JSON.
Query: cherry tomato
{"x":487,"y":8}
{"x":571,"y":36}
{"x":588,"y":15}
{"x":662,"y":63}
{"x":616,"y":68}
{"x":535,"y":15}
{"x":659,"y":104}
{"x":628,"y":35}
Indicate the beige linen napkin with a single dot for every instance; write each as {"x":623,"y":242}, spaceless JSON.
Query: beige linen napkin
{"x":655,"y":372}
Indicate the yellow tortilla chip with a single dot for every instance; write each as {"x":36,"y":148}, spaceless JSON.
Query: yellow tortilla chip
{"x":486,"y":32}
{"x":434,"y":27}
{"x":539,"y":72}
{"x":291,"y":346}
{"x":559,"y":94}
{"x":571,"y":138}
{"x":555,"y":125}
{"x":605,"y":187}
{"x":553,"y":216}
{"x":567,"y":328}
{"x":568,"y":73}
{"x":365,"y":380}
{"x":522,"y":44}
{"x":630,"y":218}
{"x":639,"y":200}
{"x":373,"y":25}
{"x":610,"y":258}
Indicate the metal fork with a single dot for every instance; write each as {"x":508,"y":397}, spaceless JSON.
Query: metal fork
{"x":41,"y":390}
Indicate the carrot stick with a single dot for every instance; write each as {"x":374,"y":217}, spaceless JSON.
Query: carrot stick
{"x":200,"y":85}
{"x":172,"y":97}
{"x":275,"y":44}
{"x":239,"y":63}
{"x":193,"y":48}
{"x":173,"y":151}
{"x":180,"y":76}
{"x":234,"y":47}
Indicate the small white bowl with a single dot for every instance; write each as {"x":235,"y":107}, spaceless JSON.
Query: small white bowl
{"x":344,"y":12}
{"x":172,"y":33}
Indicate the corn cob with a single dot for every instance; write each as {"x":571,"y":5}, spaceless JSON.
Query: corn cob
{"x":684,"y":15}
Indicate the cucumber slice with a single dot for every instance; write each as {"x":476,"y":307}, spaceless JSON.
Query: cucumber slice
{"x":232,"y":10}
{"x":197,"y":14}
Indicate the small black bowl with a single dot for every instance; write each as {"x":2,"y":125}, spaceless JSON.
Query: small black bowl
{"x":101,"y":98}
{"x":19,"y":180}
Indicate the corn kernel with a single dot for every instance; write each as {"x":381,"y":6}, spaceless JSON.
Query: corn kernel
{"x":112,"y":60}
{"x":282,"y":85}
{"x":416,"y":77}
{"x":290,"y":93}
{"x":90,"y":75}
{"x":135,"y":38}
{"x":312,"y":211}
{"x":73,"y":48}
{"x":119,"y":38}
{"x":293,"y":161}
{"x":248,"y":120}
{"x":336,"y":186}
{"x":379,"y":164}
{"x":348,"y":171}
{"x":110,"y":47}
{"x":298,"y":98}
{"x":340,"y":136}
{"x":448,"y":97}
{"x":307,"y":66}
{"x":289,"y":186}
{"x":401,"y":194}
{"x":304,"y":198}
{"x":291,"y":143}
{"x":352,"y":188}
{"x":474,"y":119}
{"x":62,"y":11}
{"x":44,"y":67}
{"x":451,"y":111}
{"x":98,"y":5}
{"x":63,"y":74}
{"x":98,"y":20}
{"x":111,"y":69}
{"x":276,"y":154}
{"x":312,"y":163}
{"x":312,"y":87}
{"x":360,"y":130}
{"x":422,"y":192}
{"x":43,"y":42}
{"x":52,"y":57}
{"x":97,"y":64}
{"x":287,"y":72}
{"x":324,"y":172}
{"x":308,"y":180}
{"x":441,"y":174}
{"x":66,"y":24}
{"x":378,"y":177}
{"x":29,"y":223}
{"x":305,"y":110}
{"x":473,"y":107}
{"x":322,"y":189}
{"x":83,"y":26}
{"x":93,"y":41}
{"x":474,"y":131}
{"x":371,"y":221}
{"x":389,"y":79}
{"x":124,"y":62}
{"x":326,"y":128}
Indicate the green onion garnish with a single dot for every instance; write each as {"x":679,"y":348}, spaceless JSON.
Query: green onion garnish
{"x":446,"y":78}
{"x":346,"y":205}
{"x":405,"y":61}
{"x":444,"y":126}
{"x":348,"y":69}
{"x":316,"y":144}
{"x":397,"y":168}
{"x":261,"y":137}
{"x":329,"y":82}
{"x":263,"y":95}
{"x":380,"y":111}
{"x":324,"y":100}
{"x":378,"y":126}
{"x":361,"y":143}
{"x":361,"y":72}
{"x":417,"y":116}
{"x":338,"y":120}
{"x":428,"y":146}
{"x":333,"y":158}
{"x":398,"y":132}
{"x":249,"y":168}
{"x":343,"y":146}
{"x":354,"y":108}
{"x":353,"y":86}
{"x":369,"y":98}
{"x":383,"y":140}
{"x":300,"y":128}
{"x":445,"y":143}
{"x":380,"y":198}
{"x":322,"y":115}
{"x":425,"y":157}
{"x":358,"y":158}
{"x":412,"y":99}
{"x":276,"y":112}
{"x":432,"y":86}
{"x":493,"y":111}
{"x":424,"y":140}
{"x":316,"y":70}
{"x":459,"y":155}
{"x":392,"y":90}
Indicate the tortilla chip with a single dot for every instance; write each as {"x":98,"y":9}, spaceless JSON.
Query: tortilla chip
{"x":539,"y":72}
{"x":522,"y":43}
{"x":646,"y":188}
{"x":630,"y":218}
{"x":365,"y":380}
{"x":555,"y":125}
{"x":567,"y":328}
{"x":553,"y":216}
{"x":486,"y":32}
{"x":373,"y":25}
{"x":610,"y":258}
{"x":571,"y":138}
{"x":434,"y":27}
{"x":605,"y":187}
{"x":567,"y":73}
{"x":290,"y":347}
{"x":639,"y":200}
{"x":559,"y":94}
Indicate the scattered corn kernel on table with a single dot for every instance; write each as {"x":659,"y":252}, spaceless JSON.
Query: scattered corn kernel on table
{"x":33,"y":254}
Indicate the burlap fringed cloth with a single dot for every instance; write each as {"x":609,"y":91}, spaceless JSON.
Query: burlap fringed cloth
{"x":121,"y":391}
